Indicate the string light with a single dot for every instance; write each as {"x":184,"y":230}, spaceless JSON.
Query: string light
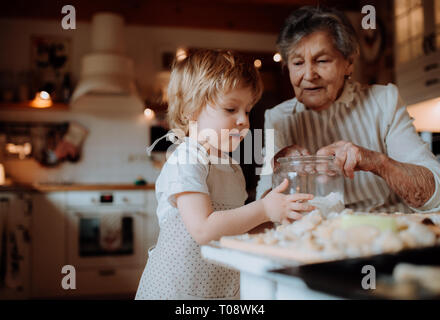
{"x":149,"y":114}
{"x":181,"y":54}
{"x":277,"y":57}
{"x":42,"y":100}
{"x":257,"y":63}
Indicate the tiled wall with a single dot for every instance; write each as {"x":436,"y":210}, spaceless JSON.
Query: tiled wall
{"x":114,"y":150}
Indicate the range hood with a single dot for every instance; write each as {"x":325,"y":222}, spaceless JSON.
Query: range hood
{"x":107,"y":70}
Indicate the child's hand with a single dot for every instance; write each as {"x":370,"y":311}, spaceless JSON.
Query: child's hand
{"x":280,"y":207}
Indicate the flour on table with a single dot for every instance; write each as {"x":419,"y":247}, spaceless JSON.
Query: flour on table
{"x":327,"y":236}
{"x":333,"y":202}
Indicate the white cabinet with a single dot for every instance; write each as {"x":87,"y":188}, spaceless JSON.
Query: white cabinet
{"x":417,"y":49}
{"x":48,"y":246}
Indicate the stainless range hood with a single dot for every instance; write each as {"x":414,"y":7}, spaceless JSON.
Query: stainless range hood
{"x":107,"y":70}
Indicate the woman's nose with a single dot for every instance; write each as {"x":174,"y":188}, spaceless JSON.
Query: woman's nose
{"x":309,"y":72}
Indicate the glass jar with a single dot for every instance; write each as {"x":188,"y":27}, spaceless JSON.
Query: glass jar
{"x":317,"y":175}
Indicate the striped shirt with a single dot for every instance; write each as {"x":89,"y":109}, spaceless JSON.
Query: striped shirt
{"x":373,"y":117}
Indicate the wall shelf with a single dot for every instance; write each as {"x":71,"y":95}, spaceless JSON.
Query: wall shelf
{"x":25,"y":106}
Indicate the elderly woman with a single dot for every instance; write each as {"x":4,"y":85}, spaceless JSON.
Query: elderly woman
{"x":387,"y":166}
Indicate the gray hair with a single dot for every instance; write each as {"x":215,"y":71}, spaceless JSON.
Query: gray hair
{"x":308,"y":19}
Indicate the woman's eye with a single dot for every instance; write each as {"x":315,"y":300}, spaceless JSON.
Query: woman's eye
{"x":230,"y":110}
{"x":247,"y":113}
{"x":297,"y":63}
{"x":322,"y":61}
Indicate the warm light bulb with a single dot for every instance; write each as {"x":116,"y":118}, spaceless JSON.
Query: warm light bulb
{"x":257,"y":63}
{"x":277,"y":57}
{"x":44,"y":95}
{"x":181,"y":54}
{"x":149,"y":114}
{"x":22,"y":150}
{"x":42,"y":100}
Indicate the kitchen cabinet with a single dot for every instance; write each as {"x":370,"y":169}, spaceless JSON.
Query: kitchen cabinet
{"x":50,"y":226}
{"x":417,"y":49}
{"x":48,"y":246}
{"x":15,"y":243}
{"x":419,"y":80}
{"x":108,"y":233}
{"x":68,"y":230}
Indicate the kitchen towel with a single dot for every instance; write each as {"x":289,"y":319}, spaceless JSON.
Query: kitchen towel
{"x":111,"y":231}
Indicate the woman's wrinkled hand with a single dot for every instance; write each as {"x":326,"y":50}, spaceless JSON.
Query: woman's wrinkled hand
{"x":280,"y":207}
{"x":350,"y":157}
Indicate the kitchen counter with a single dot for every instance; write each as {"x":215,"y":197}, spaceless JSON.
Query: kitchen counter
{"x":256,"y":282}
{"x":59,"y":187}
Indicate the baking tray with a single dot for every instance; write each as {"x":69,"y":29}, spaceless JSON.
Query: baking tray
{"x":343,"y":278}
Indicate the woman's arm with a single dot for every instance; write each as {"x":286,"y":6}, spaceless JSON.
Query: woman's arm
{"x":413,"y":183}
{"x":408,"y":166}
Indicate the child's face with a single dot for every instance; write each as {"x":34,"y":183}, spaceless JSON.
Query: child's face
{"x":225,"y":123}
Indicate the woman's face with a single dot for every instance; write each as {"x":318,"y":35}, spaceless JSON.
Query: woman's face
{"x":317,"y":70}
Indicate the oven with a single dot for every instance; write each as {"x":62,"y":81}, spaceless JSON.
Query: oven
{"x":106,"y":229}
{"x":107,"y":239}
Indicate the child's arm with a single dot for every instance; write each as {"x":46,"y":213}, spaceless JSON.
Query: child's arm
{"x":262,"y":227}
{"x":204,"y":224}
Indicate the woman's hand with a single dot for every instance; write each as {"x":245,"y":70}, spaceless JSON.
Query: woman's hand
{"x":289,"y":151}
{"x":350,"y":158}
{"x":280,"y":207}
{"x":413,"y":183}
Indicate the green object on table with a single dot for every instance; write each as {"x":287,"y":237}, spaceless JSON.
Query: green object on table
{"x":382,"y":223}
{"x":140,"y":182}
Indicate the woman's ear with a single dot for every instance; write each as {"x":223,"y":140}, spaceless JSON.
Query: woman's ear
{"x":350,"y":66}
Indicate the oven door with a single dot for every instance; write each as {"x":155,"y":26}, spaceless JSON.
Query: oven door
{"x":105,"y":237}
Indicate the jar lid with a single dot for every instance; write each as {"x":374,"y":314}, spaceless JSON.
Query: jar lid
{"x":305,"y":159}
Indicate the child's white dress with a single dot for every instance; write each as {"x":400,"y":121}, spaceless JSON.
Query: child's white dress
{"x":175,"y":268}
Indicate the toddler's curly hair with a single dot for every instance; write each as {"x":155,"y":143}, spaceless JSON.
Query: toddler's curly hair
{"x":201,"y":77}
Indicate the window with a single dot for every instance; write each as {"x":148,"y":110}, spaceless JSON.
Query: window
{"x":409,"y":29}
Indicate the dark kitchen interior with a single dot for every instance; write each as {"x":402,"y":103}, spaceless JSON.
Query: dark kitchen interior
{"x":66,"y":164}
